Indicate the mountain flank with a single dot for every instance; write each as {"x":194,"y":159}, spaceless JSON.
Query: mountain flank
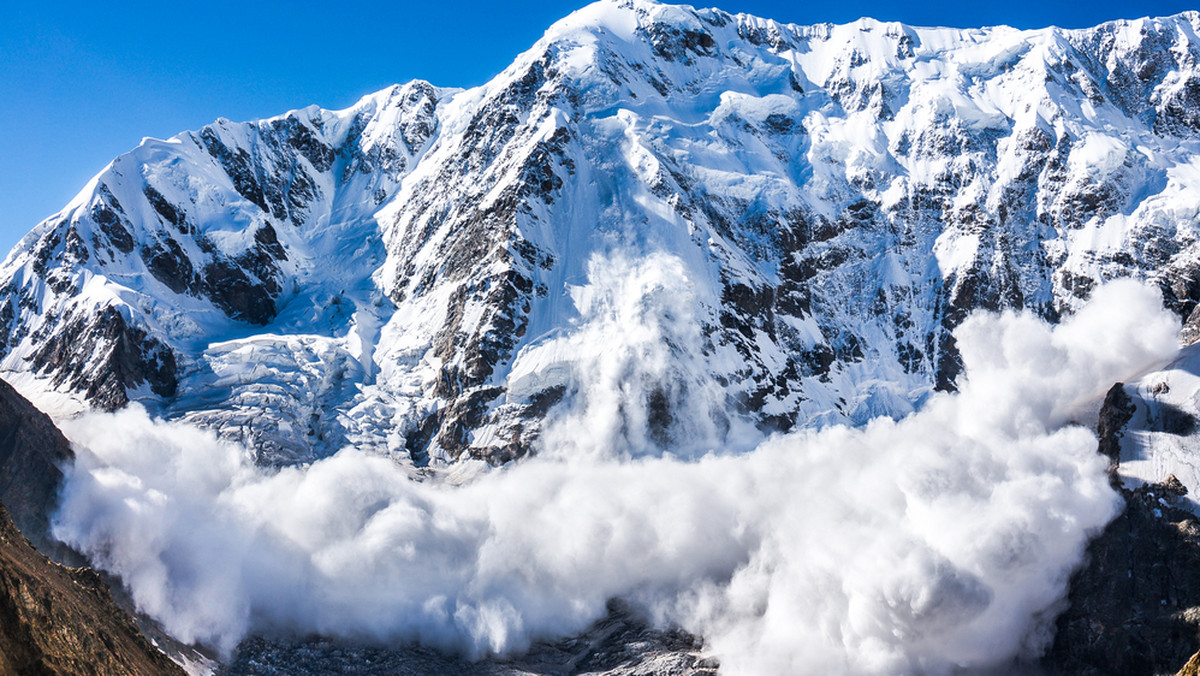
{"x":54,"y":619}
{"x":416,"y":274}
{"x":33,"y":453}
{"x":63,"y":621}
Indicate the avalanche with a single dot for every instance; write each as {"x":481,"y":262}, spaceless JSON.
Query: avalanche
{"x":933,"y":543}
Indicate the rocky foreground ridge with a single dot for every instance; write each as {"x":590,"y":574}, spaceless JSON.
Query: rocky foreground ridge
{"x":59,"y":620}
{"x":53,"y":619}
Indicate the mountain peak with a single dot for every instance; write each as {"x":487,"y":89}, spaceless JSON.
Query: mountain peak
{"x":623,"y":18}
{"x":432,"y":243}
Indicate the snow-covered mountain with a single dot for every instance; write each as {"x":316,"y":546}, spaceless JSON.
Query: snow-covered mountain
{"x":784,"y":220}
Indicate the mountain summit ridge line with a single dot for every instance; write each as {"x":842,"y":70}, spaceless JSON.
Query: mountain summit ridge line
{"x":837,"y":198}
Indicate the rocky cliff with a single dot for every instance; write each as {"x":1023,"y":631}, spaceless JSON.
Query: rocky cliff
{"x":58,"y":620}
{"x":1135,"y":605}
{"x":33,"y":454}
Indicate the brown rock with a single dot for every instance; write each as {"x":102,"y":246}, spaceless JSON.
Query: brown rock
{"x":59,"y":620}
{"x":1192,"y":668}
{"x":32,"y":455}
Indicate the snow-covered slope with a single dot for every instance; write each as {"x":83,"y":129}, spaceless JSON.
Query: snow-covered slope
{"x":747,"y":225}
{"x":1159,"y":425}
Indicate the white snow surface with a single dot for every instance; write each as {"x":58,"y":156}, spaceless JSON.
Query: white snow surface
{"x":1160,"y":440}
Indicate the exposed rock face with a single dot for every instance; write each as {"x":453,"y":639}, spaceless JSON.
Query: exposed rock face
{"x":1135,"y":605}
{"x":839,"y":198}
{"x":1115,"y":413}
{"x":619,"y":645}
{"x":56,"y":620}
{"x":104,"y":357}
{"x":33,"y":454}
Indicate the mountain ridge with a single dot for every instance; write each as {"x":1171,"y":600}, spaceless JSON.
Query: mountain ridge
{"x":411,"y":258}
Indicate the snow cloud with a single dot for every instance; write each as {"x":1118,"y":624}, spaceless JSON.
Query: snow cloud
{"x":942,"y":539}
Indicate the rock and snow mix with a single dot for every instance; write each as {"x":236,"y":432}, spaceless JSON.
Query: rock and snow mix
{"x":393,"y":276}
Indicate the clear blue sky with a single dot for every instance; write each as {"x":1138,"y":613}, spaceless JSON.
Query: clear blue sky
{"x":82,"y":82}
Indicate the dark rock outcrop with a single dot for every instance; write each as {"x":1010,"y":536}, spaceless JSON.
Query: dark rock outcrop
{"x":621,"y":644}
{"x":58,"y":620}
{"x":32,"y":455}
{"x":104,"y":355}
{"x":1115,"y":413}
{"x":1135,"y":605}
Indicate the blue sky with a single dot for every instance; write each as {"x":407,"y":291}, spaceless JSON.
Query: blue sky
{"x":82,"y":82}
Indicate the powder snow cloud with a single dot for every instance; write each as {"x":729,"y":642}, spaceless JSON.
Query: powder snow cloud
{"x":916,"y":545}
